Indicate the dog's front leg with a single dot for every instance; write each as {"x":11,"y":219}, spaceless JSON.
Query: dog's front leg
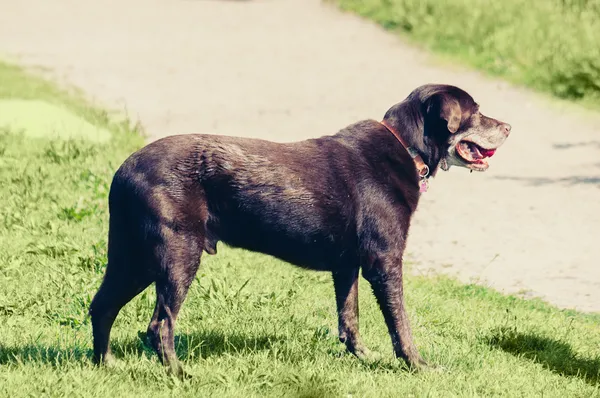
{"x":345,"y":283}
{"x":385,"y":276}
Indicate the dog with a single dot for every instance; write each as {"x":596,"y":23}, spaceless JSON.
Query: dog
{"x":340,"y":203}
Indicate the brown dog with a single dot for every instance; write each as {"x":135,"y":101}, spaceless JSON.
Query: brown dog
{"x":338,"y":203}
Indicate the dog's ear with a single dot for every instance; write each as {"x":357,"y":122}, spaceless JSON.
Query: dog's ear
{"x":448,"y":108}
{"x":451,"y":112}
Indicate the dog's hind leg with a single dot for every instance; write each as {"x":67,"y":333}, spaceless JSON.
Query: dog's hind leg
{"x":120,"y":285}
{"x":179,"y":261}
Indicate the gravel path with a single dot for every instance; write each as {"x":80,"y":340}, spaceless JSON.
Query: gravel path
{"x":291,"y":69}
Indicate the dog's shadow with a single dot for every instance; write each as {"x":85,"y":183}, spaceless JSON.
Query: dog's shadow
{"x":45,"y":354}
{"x":555,"y":355}
{"x":203,"y":344}
{"x":207,"y":344}
{"x":189,"y":346}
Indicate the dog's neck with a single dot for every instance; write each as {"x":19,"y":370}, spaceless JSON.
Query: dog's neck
{"x":422,"y":167}
{"x":409,"y":124}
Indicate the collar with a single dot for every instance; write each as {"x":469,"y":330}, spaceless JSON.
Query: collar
{"x":422,"y":168}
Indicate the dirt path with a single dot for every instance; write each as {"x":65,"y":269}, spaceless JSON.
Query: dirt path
{"x":290,"y":69}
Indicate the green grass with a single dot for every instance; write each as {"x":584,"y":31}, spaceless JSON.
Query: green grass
{"x":50,"y":120}
{"x":252,"y":326}
{"x":550,"y":45}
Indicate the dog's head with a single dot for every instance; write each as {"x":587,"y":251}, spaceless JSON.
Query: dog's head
{"x":444,"y":124}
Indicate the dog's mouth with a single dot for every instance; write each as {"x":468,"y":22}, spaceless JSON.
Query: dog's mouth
{"x":474,"y":155}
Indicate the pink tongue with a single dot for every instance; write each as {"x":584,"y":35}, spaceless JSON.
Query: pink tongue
{"x":487,"y":153}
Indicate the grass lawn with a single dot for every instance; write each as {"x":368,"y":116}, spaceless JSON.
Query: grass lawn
{"x":251,"y":326}
{"x":550,"y":45}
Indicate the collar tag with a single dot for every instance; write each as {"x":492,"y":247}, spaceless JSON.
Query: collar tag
{"x":423,"y":185}
{"x":444,"y":164}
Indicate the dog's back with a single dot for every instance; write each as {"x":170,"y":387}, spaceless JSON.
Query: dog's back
{"x":286,"y":200}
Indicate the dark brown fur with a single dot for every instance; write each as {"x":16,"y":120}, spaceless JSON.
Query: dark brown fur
{"x":338,"y":203}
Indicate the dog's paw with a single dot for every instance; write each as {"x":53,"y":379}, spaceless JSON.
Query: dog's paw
{"x":107,"y":360}
{"x":418,"y":364}
{"x":366,"y":355}
{"x":435,"y":368}
{"x":177,"y":371}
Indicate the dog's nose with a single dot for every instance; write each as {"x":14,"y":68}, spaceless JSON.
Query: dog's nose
{"x":505,"y":128}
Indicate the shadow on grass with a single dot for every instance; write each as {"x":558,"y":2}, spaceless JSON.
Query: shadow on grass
{"x":203,"y":344}
{"x":39,"y":353}
{"x":554,"y":355}
{"x":189,"y":346}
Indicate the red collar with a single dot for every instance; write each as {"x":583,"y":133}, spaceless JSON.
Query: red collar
{"x":422,"y":168}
